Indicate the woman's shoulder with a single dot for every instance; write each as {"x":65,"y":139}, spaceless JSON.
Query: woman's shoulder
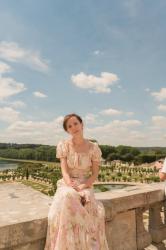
{"x":93,"y":146}
{"x":92,"y":143}
{"x":62,"y":149}
{"x":63,"y":142}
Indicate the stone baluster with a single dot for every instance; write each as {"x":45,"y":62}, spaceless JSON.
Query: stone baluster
{"x":143,"y":237}
{"x":157,"y":228}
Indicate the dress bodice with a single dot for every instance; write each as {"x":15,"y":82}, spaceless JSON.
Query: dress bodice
{"x":79,"y":163}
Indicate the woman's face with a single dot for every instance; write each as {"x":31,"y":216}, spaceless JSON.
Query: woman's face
{"x":74,"y":126}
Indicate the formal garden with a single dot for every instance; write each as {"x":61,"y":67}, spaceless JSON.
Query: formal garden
{"x":39,"y":168}
{"x":44,"y":176}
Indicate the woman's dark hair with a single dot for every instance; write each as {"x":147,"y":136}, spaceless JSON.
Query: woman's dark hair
{"x":67,"y":117}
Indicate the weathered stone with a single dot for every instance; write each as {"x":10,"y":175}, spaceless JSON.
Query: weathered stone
{"x":121,"y":231}
{"x":23,"y":217}
{"x":143,"y":237}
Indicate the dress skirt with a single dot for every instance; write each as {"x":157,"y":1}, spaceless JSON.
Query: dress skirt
{"x":75,"y":223}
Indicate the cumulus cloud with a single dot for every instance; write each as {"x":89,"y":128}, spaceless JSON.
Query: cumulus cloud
{"x":4,"y":68}
{"x":17,"y":104}
{"x":12,"y":52}
{"x":127,"y":123}
{"x":159,"y":121}
{"x":39,"y":94}
{"x":13,"y":104}
{"x":117,"y":132}
{"x":161,"y":95}
{"x":111,"y":112}
{"x":7,"y":114}
{"x":9,"y":87}
{"x":90,"y":118}
{"x":44,"y":132}
{"x":93,"y":83}
{"x":116,"y":125}
{"x":162,"y":107}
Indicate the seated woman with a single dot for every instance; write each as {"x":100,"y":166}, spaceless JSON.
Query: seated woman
{"x":76,"y":220}
{"x":161,"y":166}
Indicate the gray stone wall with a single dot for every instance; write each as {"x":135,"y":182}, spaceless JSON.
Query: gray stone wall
{"x":23,"y":217}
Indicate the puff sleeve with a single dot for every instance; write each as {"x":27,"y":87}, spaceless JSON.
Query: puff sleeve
{"x":61,"y":150}
{"x":163,"y":170}
{"x":96,"y":153}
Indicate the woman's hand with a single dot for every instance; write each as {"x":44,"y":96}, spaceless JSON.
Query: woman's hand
{"x":82,"y":186}
{"x":72,"y":184}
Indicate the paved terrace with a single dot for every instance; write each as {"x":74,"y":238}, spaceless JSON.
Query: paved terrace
{"x":23,"y":217}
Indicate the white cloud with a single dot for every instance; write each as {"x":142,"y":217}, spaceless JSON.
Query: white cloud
{"x":4,"y":68}
{"x":9,"y":87}
{"x":90,"y":118}
{"x":126,"y":132}
{"x":44,"y":132}
{"x":8,"y":114}
{"x":50,"y":132}
{"x":13,"y":104}
{"x":162,"y":107}
{"x":117,"y":132}
{"x":12,"y":52}
{"x":111,"y":112}
{"x":95,"y":84}
{"x":161,"y":95}
{"x":39,"y":94}
{"x":58,"y":122}
{"x":159,"y":121}
{"x":17,"y":104}
{"x":126,"y":123}
{"x":116,"y":125}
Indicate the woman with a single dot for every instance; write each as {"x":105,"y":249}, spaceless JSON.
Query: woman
{"x":76,"y":219}
{"x":161,"y":166}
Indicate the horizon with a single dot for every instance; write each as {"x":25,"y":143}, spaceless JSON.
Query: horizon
{"x":88,"y":139}
{"x":103,"y":60}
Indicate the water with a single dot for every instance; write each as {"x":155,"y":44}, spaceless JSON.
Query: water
{"x":109,"y":187}
{"x":7,"y":165}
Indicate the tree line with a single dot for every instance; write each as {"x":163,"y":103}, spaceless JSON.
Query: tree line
{"x":109,"y":153}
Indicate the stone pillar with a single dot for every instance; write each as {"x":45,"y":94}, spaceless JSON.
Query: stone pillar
{"x":156,"y":227}
{"x":143,"y":237}
{"x":121,"y":231}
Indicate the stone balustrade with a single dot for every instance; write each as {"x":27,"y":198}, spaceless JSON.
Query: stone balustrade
{"x":23,"y":217}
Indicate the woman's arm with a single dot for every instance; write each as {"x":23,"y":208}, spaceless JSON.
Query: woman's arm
{"x":65,"y":173}
{"x":162,"y":174}
{"x":95,"y":172}
{"x":88,"y":183}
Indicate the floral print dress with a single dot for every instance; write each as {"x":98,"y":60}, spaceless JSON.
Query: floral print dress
{"x":73,"y":224}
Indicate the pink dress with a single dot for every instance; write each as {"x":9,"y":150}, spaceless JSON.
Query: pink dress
{"x":73,"y":225}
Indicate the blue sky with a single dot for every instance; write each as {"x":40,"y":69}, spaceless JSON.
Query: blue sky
{"x":104,"y":60}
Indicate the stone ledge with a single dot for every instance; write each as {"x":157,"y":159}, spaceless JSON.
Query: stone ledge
{"x":23,"y":217}
{"x":23,"y":214}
